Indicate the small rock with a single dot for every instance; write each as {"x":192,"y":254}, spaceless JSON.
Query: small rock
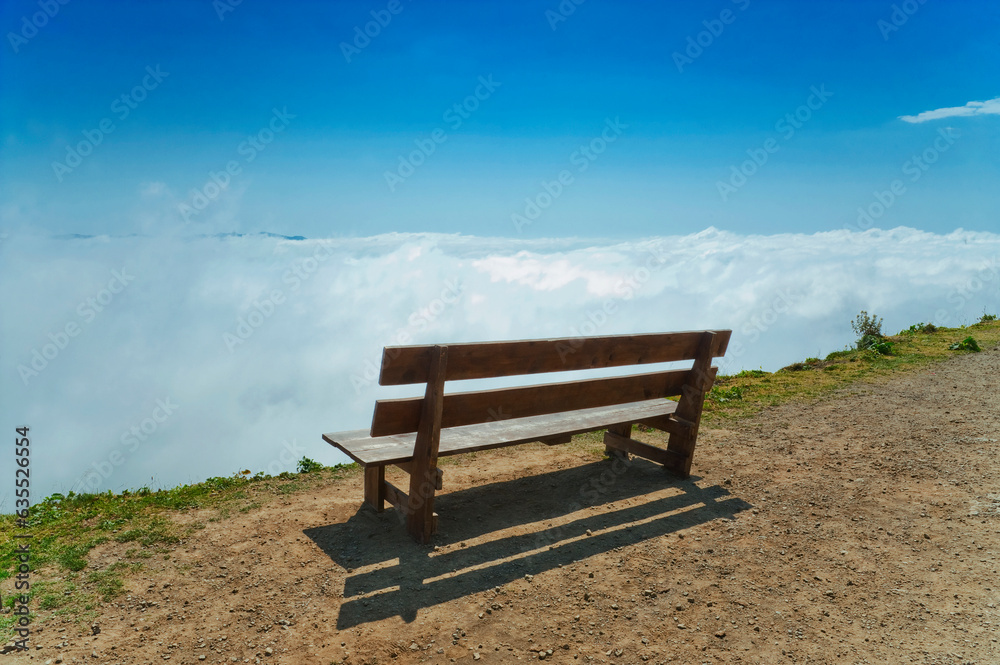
{"x":476,"y":656}
{"x":720,"y":633}
{"x":529,"y":577}
{"x":268,"y":651}
{"x":414,"y":646}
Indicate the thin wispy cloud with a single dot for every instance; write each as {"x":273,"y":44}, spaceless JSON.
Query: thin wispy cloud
{"x":989,"y":107}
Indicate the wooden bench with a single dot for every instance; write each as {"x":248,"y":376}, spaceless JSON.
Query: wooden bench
{"x":412,"y":433}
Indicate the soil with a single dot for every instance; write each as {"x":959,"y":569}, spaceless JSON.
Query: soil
{"x":860,"y":528}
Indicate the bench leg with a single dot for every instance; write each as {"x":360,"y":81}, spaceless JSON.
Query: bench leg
{"x":421,"y":521}
{"x":375,"y":487}
{"x":683,"y":448}
{"x":690,"y":405}
{"x":621,"y":430}
{"x":682,"y":441}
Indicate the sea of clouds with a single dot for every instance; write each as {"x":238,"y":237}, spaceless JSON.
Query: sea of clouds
{"x":164,"y":360}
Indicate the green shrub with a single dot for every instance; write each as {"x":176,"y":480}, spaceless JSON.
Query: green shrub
{"x":307,"y":465}
{"x":883,"y":348}
{"x":920,"y":328}
{"x":986,"y":318}
{"x":751,"y":373}
{"x":867,"y":328}
{"x":967,"y":344}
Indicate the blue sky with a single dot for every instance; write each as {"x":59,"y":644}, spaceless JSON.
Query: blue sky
{"x":342,"y":121}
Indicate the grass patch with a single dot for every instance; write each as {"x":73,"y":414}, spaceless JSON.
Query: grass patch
{"x":914,"y":348}
{"x":136,"y":525}
{"x":722,"y":395}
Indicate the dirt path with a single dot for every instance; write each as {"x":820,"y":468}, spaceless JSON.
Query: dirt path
{"x":863,"y":528}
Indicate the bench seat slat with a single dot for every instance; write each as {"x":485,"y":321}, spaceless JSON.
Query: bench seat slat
{"x":396,"y":416}
{"x":367,"y":450}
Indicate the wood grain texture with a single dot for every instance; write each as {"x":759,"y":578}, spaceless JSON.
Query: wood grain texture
{"x":690,"y":406}
{"x":366,"y":450}
{"x":403,"y":365}
{"x":398,"y":416}
{"x":375,"y":487}
{"x":622,"y":431}
{"x":438,"y":474}
{"x":419,"y":520}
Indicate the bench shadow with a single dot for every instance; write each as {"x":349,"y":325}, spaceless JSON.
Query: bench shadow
{"x":415,"y":576}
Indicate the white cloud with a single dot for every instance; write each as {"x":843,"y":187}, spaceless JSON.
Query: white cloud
{"x":989,"y":107}
{"x":320,"y":311}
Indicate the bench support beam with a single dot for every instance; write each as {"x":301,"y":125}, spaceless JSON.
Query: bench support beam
{"x":682,"y":439}
{"x":420,"y":520}
{"x":438,"y":473}
{"x":619,"y":445}
{"x":400,"y":501}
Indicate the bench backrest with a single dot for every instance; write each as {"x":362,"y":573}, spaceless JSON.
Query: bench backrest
{"x":403,"y":365}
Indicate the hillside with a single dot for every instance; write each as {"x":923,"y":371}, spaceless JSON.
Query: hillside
{"x":840,"y":511}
